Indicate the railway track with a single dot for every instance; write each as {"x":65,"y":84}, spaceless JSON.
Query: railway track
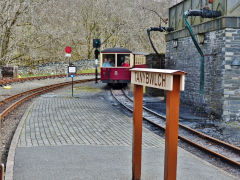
{"x":13,"y":80}
{"x":9,"y":104}
{"x":6,"y":81}
{"x":218,"y":148}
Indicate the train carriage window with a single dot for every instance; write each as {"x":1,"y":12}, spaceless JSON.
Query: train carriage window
{"x":110,"y":58}
{"x":123,"y":60}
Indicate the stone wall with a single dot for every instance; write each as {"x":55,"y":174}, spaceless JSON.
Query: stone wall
{"x":221,"y":96}
{"x":57,"y":67}
{"x":231,"y":75}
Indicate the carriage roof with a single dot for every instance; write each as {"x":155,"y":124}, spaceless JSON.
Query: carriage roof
{"x":116,"y":50}
{"x":141,"y":53}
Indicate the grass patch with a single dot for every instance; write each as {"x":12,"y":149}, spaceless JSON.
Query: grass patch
{"x":87,"y":88}
{"x":88,"y":71}
{"x":34,"y":75}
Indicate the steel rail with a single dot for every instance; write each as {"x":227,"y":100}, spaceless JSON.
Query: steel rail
{"x":36,"y":92}
{"x":199,"y":134}
{"x":4,"y":101}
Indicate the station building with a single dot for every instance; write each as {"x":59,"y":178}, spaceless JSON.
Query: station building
{"x":219,"y":39}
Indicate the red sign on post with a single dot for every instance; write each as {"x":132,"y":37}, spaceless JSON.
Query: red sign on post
{"x":68,"y":49}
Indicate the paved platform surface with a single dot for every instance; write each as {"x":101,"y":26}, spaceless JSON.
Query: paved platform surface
{"x":86,"y":137}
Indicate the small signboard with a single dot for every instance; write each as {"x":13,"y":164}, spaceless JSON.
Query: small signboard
{"x":72,"y":69}
{"x":68,"y":55}
{"x":156,"y":78}
{"x":96,"y":61}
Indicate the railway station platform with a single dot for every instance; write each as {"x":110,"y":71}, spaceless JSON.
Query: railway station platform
{"x":89,"y":137}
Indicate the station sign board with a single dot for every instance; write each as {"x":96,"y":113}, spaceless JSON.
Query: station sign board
{"x":156,"y":78}
{"x":68,"y":55}
{"x":72,"y":69}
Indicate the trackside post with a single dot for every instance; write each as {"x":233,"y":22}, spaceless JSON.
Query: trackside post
{"x":173,"y":82}
{"x":72,"y":70}
{"x":1,"y":171}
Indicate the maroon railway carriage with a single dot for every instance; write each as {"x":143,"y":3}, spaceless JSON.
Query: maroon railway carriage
{"x":116,"y":62}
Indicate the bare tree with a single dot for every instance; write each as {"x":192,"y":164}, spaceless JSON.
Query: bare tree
{"x":40,"y":30}
{"x":10,"y":12}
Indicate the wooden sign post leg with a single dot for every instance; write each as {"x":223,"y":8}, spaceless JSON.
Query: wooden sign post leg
{"x":171,"y":132}
{"x":137,"y":132}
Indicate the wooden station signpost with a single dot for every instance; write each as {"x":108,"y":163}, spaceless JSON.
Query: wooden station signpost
{"x":173,"y":82}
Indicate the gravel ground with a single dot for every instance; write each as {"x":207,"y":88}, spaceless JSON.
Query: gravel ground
{"x":8,"y":128}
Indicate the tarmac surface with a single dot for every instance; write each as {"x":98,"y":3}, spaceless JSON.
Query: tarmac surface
{"x":87,"y":137}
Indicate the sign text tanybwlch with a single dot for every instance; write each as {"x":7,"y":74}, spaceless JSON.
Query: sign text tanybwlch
{"x":152,"y":79}
{"x":157,"y":78}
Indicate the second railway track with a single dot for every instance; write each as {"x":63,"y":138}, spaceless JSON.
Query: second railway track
{"x":218,"y":148}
